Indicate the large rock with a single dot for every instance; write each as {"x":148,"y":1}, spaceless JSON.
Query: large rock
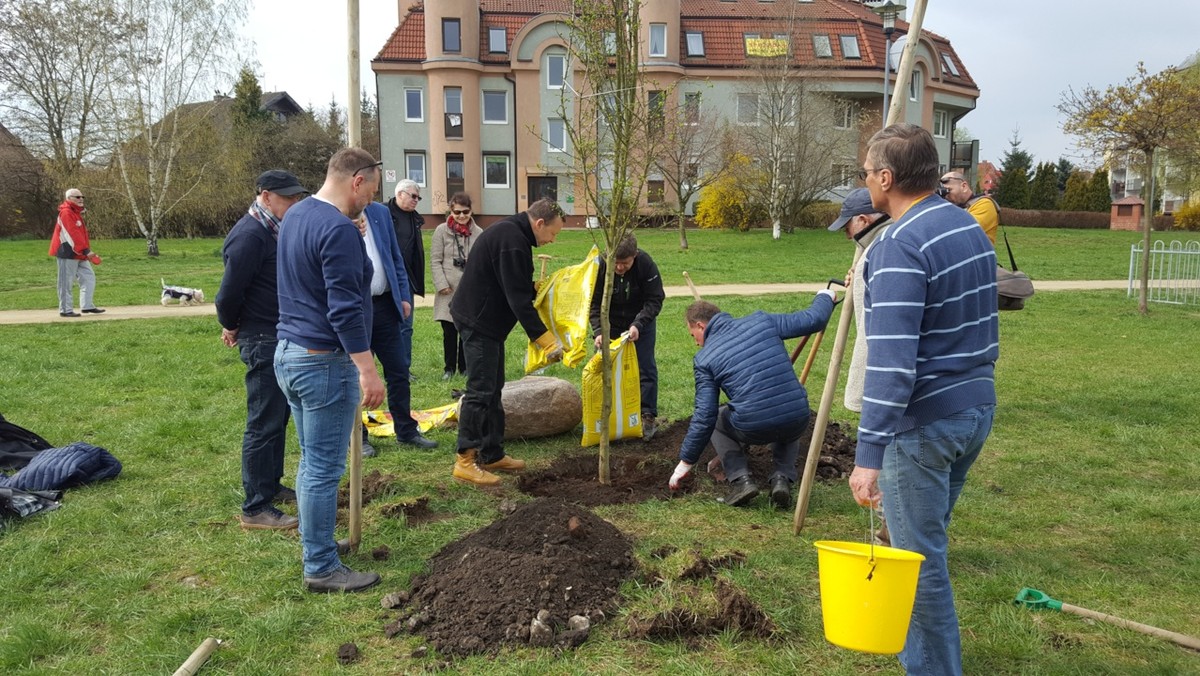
{"x":537,"y":406}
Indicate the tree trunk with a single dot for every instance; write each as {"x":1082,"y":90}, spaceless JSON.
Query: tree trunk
{"x":152,"y":245}
{"x":683,"y":243}
{"x":606,"y":371}
{"x":1147,"y":227}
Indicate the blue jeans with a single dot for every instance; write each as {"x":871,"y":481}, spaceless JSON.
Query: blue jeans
{"x":391,"y":341}
{"x":923,"y":472}
{"x":730,"y":444}
{"x":266,"y":423}
{"x":647,"y":369}
{"x":323,"y":391}
{"x":481,"y":413}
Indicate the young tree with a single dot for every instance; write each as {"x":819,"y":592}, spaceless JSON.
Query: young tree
{"x":614,"y":136}
{"x":1076,"y":197}
{"x":1146,"y":114}
{"x":697,"y":151}
{"x":1065,"y":169}
{"x":1013,"y":188}
{"x":53,"y":58}
{"x":1043,"y":190}
{"x":175,"y":58}
{"x":1099,"y":192}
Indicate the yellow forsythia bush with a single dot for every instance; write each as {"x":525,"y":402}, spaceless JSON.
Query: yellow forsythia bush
{"x":1187,"y":217}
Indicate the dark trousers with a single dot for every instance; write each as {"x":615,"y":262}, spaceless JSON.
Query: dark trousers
{"x":391,"y":341}
{"x":647,"y":366}
{"x":267,"y":414}
{"x":730,"y":444}
{"x":452,"y":348}
{"x":481,"y":413}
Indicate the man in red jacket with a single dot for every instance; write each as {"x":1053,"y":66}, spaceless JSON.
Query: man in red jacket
{"x":70,"y":245}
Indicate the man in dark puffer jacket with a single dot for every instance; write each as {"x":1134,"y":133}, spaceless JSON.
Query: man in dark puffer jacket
{"x":746,"y":359}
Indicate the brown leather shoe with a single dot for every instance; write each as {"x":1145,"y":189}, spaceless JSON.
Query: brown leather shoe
{"x":270,"y":519}
{"x":505,"y":464}
{"x":466,"y":471}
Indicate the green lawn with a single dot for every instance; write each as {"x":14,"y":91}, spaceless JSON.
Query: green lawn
{"x":1086,"y":490}
{"x":129,"y":277}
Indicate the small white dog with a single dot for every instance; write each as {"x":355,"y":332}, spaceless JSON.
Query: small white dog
{"x":184,"y":295}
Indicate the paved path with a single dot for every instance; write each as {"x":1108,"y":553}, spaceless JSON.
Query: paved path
{"x":207,"y":309}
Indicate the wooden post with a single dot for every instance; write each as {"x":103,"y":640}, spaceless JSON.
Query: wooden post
{"x":198,"y":657}
{"x":354,"y":103}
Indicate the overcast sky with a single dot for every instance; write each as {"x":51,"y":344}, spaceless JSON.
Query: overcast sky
{"x":1022,"y":53}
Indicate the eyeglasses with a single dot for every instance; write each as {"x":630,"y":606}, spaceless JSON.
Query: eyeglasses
{"x":864,"y":172}
{"x":460,"y":212}
{"x":415,"y":197}
{"x":369,"y":166}
{"x":76,"y":197}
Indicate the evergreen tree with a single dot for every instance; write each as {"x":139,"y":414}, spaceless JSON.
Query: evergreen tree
{"x":1043,"y":191}
{"x":335,"y":121}
{"x":1099,"y":192}
{"x":247,"y":101}
{"x":1012,"y":190}
{"x":370,"y":125}
{"x":1065,"y":169}
{"x":1076,"y":196}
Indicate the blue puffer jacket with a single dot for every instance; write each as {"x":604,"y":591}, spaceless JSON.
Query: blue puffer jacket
{"x":58,"y":468}
{"x":746,"y":358}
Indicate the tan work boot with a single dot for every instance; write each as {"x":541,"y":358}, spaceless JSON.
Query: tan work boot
{"x":466,"y":471}
{"x":505,"y":464}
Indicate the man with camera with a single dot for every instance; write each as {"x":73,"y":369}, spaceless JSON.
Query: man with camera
{"x":956,"y":189}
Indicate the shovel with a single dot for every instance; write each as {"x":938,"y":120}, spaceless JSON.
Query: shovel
{"x":1032,"y":598}
{"x":351,"y":543}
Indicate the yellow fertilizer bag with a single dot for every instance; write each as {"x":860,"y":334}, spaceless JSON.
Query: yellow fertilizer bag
{"x":625,"y":421}
{"x":379,"y":423}
{"x":564,"y":302}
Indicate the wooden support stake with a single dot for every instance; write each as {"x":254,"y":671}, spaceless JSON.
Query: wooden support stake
{"x":691,"y":285}
{"x":198,"y":657}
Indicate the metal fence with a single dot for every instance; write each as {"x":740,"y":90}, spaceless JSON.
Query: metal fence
{"x":1174,"y":272}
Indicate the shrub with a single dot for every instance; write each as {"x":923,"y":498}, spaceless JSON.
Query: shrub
{"x":1187,"y":217}
{"x":1033,"y":218}
{"x":725,"y":204}
{"x":818,"y":215}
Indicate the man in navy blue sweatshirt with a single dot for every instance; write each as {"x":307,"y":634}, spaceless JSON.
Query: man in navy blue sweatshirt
{"x":929,"y":396}
{"x":248,"y":310}
{"x":323,"y":362}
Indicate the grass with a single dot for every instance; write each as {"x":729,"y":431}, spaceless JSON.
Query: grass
{"x":1086,"y":490}
{"x":130,"y":277}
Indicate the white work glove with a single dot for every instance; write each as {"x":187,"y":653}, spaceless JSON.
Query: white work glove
{"x":681,"y":470}
{"x":828,"y":292}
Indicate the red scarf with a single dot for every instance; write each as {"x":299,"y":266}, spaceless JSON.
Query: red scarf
{"x":460,"y":229}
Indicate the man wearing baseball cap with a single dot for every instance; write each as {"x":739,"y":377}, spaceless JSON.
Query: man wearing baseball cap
{"x":248,"y":309}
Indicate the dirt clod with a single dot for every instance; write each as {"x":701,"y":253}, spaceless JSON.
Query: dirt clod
{"x":415,"y":512}
{"x":381,"y":553}
{"x":482,"y":588}
{"x":374,"y":485}
{"x":703,"y":568}
{"x":347,"y":653}
{"x":735,"y":611}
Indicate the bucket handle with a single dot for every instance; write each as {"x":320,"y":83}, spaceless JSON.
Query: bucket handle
{"x":871,"y":540}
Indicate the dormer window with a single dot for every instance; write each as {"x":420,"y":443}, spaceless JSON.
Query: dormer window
{"x":497,"y":40}
{"x":695,"y":43}
{"x":821,"y":47}
{"x":849,"y":46}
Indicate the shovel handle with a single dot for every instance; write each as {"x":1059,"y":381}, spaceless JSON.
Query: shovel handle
{"x":691,"y":285}
{"x":1181,"y":639}
{"x":356,"y":481}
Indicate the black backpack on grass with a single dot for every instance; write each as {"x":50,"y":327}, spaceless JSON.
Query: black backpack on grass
{"x":18,"y":445}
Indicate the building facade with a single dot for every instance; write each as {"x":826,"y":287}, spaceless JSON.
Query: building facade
{"x":470,"y":91}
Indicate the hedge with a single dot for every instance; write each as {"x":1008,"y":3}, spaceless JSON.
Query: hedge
{"x":1078,"y":220}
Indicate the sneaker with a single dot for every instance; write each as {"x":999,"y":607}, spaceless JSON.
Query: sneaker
{"x":285,"y":494}
{"x":781,"y":492}
{"x":69,"y":314}
{"x":447,"y":375}
{"x":341,"y":580}
{"x":270,"y":519}
{"x":93,"y":310}
{"x":368,"y":451}
{"x":418,"y":440}
{"x":742,"y":491}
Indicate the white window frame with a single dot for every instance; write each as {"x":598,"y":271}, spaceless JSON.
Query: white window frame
{"x":502,"y":33}
{"x":551,"y":59}
{"x":822,"y":46}
{"x":550,"y":134}
{"x":845,"y":114}
{"x":846,"y":173}
{"x":420,"y":104}
{"x":688,"y":109}
{"x":662,"y":52}
{"x":849,"y":44}
{"x":695,"y":43}
{"x":408,"y":167}
{"x":504,"y":107}
{"x":948,"y":64}
{"x":757,"y":112}
{"x":914,"y":86}
{"x":446,"y":99}
{"x":941,"y":119}
{"x":507,"y":163}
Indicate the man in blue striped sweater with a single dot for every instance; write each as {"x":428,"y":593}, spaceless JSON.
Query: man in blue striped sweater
{"x":929,"y":397}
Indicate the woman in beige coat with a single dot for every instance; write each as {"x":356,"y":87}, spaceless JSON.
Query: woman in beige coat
{"x":448,"y":253}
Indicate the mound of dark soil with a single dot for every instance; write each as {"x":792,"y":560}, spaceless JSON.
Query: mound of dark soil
{"x":640,"y":470}
{"x":485,"y":589}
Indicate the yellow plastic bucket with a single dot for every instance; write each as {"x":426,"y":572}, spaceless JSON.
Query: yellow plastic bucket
{"x":866,"y":603}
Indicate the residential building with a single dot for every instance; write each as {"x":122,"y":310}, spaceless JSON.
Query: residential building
{"x":469,"y":90}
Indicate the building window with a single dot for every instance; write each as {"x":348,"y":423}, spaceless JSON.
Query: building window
{"x":556,"y":136}
{"x":452,"y":97}
{"x":413,"y":106}
{"x":691,"y":107}
{"x":845,"y":114}
{"x":948,"y":64}
{"x":497,"y":40}
{"x":914,"y":86}
{"x":414,"y":167}
{"x":941,"y":123}
{"x":455,"y":173}
{"x":655,"y":109}
{"x":845,"y":175}
{"x":821,"y":47}
{"x":771,"y":46}
{"x":658,"y":39}
{"x":747,"y":109}
{"x":610,"y":43}
{"x":556,"y":69}
{"x":495,"y":107}
{"x":451,"y":35}
{"x":655,"y":189}
{"x":495,"y":171}
{"x":849,"y":46}
{"x":695,"y":43}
